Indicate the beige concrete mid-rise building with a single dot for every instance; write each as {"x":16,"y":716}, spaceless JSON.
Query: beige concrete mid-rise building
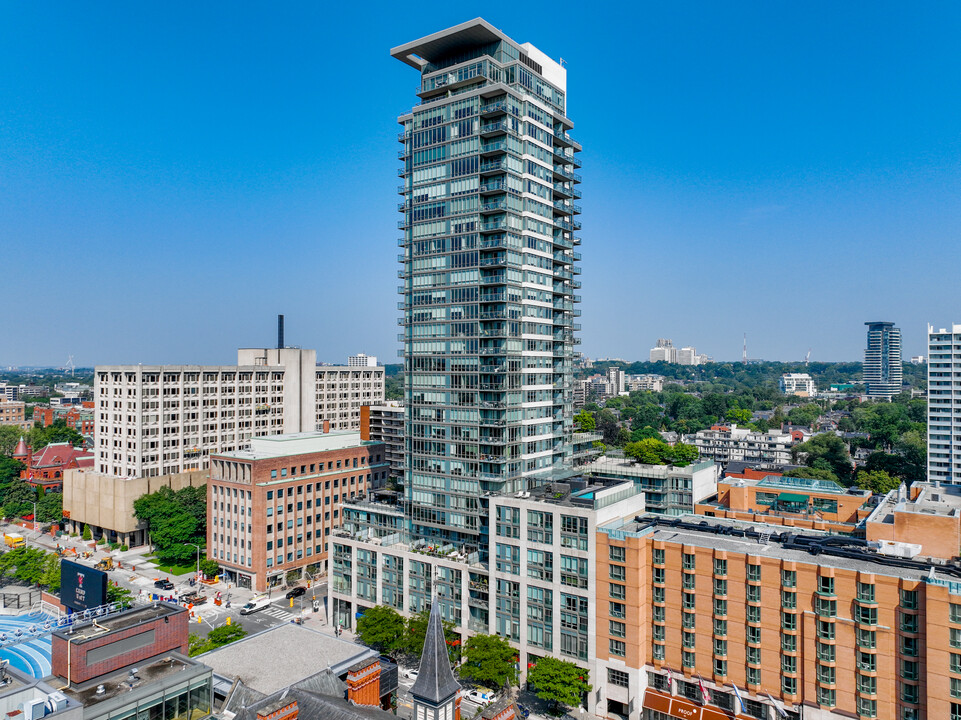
{"x":105,"y":502}
{"x":154,"y":420}
{"x":342,"y":390}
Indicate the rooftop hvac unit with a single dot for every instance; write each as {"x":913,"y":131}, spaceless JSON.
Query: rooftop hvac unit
{"x":33,"y":709}
{"x":56,"y":702}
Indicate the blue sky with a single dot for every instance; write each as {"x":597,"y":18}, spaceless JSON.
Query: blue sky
{"x":173,"y":175}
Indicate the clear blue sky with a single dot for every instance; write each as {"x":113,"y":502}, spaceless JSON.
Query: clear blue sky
{"x":174,"y":174}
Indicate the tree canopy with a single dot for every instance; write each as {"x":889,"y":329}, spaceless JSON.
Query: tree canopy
{"x":654,"y":451}
{"x":827,"y":452}
{"x":489,"y":661}
{"x":877,"y":481}
{"x":381,"y":627}
{"x":175,"y":521}
{"x":559,"y":682}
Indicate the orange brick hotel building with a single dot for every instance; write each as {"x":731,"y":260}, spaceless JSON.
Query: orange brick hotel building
{"x":806,"y":626}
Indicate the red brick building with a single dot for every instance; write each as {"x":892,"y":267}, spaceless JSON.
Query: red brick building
{"x":46,"y":467}
{"x":271,"y":508}
{"x":79,"y":418}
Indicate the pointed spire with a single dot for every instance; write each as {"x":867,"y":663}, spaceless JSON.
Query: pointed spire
{"x":435,"y":680}
{"x":21,"y":449}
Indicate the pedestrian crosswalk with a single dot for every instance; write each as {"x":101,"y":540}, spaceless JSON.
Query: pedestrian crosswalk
{"x":279,"y":613}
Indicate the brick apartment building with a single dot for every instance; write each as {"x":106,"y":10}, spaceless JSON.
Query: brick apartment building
{"x":80,"y":418}
{"x":13,"y":412}
{"x":271,"y":507}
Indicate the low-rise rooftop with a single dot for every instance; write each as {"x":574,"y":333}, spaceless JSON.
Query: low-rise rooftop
{"x":303,"y":443}
{"x":276,"y":658}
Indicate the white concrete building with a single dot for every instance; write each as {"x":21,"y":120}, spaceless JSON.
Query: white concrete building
{"x":362,"y":360}
{"x":154,"y":420}
{"x":800,"y":384}
{"x":537,"y":589}
{"x":664,"y":351}
{"x":687,"y":356}
{"x":341,"y":390}
{"x":615,"y":378}
{"x":655,"y":383}
{"x":944,"y":404}
{"x":725,"y":443}
{"x":668,"y":490}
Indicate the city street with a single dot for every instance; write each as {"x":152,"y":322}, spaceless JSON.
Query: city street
{"x":139,"y":573}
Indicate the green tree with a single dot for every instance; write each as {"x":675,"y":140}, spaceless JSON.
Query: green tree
{"x":51,"y":573}
{"x":209,"y":567}
{"x":57,"y":432}
{"x":912,"y":446}
{"x":489,"y":661}
{"x":9,"y":437}
{"x":585,"y":421}
{"x":739,"y":416}
{"x":813,"y":473}
{"x":87,"y":534}
{"x":682,"y":454}
{"x":559,"y":682}
{"x":805,"y":415}
{"x":650,"y":451}
{"x":830,"y":448}
{"x":175,"y":520}
{"x":218,"y":637}
{"x":118,"y":593}
{"x":878,"y":481}
{"x":607,"y":424}
{"x":18,"y":499}
{"x":50,"y":507}
{"x":381,"y":627}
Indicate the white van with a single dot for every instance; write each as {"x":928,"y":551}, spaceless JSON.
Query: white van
{"x":255,"y":605}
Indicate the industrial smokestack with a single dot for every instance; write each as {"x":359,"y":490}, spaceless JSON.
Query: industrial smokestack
{"x":280,"y":332}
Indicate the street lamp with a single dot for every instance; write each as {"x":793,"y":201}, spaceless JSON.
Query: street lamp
{"x":198,"y":559}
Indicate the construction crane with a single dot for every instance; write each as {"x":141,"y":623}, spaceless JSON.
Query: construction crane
{"x":807,"y":357}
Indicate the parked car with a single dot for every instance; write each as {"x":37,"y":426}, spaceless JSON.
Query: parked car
{"x":411,"y":674}
{"x":296,"y":592}
{"x":482,"y":697}
{"x":163,"y":584}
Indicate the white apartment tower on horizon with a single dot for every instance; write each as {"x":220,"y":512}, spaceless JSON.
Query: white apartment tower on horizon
{"x":944,"y":404}
{"x":664,"y":351}
{"x":362,"y":360}
{"x":489,"y":186}
{"x":882,"y":360}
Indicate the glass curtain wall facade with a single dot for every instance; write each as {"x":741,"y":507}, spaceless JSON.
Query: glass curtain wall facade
{"x":882,"y":360}
{"x":489,"y":187}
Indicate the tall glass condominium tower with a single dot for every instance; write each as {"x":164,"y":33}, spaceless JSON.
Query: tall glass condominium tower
{"x":882,"y":360}
{"x":489,"y":188}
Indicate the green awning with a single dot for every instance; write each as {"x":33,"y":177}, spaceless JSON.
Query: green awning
{"x":792,"y":498}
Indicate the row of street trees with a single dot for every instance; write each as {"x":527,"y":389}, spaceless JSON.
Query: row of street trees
{"x":488,"y":660}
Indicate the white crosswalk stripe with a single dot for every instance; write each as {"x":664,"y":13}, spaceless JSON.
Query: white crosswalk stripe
{"x":279,"y":613}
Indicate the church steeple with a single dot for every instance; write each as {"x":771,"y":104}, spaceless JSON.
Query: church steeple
{"x":436,"y":690}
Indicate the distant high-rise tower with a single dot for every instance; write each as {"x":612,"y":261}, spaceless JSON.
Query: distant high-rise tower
{"x":882,"y":360}
{"x":944,"y":410}
{"x":488,"y":185}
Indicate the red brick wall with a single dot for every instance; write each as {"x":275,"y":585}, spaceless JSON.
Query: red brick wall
{"x":168,"y":636}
